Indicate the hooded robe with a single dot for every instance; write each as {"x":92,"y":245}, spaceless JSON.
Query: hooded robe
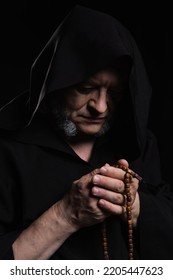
{"x":38,"y":167}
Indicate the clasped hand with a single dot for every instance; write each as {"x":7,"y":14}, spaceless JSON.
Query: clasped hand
{"x":98,"y":195}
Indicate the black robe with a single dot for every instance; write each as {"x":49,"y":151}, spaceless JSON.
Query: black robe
{"x":38,"y":167}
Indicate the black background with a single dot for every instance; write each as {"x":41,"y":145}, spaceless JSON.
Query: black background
{"x":27,"y":25}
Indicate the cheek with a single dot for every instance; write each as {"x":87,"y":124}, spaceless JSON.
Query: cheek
{"x":76,"y":103}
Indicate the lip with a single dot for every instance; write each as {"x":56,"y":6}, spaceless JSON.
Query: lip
{"x":94,"y":120}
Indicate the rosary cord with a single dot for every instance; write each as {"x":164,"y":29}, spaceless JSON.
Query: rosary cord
{"x":127,"y":182}
{"x":105,"y":241}
{"x":129,"y":174}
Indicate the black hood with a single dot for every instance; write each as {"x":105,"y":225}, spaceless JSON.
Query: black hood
{"x":86,"y":41}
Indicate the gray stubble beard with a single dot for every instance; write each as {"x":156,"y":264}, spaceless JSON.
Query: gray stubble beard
{"x":62,"y":123}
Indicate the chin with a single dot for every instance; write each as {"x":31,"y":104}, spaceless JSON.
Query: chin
{"x":90,"y":131}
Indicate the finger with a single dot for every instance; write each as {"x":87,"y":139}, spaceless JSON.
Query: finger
{"x":109,"y":183}
{"x":111,"y":171}
{"x":110,"y":207}
{"x":110,"y":196}
{"x":123,"y":162}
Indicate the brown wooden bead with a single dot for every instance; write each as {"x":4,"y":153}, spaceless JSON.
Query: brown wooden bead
{"x":105,"y":242}
{"x":129,"y":174}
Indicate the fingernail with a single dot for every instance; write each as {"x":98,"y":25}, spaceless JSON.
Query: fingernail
{"x":101,"y":202}
{"x":96,"y":179}
{"x":103,"y":169}
{"x":95,"y":191}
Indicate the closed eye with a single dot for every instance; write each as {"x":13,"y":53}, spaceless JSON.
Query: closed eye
{"x":85,"y":89}
{"x":113,"y":92}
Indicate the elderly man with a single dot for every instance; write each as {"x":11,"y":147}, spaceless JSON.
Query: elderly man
{"x":69,"y":148}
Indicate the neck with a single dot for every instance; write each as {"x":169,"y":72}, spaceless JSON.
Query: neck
{"x":82,"y":146}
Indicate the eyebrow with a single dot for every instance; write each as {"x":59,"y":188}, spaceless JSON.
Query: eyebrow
{"x":90,"y":83}
{"x":93,"y":83}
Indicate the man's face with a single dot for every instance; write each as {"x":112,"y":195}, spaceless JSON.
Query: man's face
{"x":91,"y":104}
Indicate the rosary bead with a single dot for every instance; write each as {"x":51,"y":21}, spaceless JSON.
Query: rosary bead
{"x":129,"y":222}
{"x":129,"y":174}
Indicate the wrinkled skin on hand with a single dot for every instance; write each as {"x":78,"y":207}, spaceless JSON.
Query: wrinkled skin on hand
{"x":98,"y":195}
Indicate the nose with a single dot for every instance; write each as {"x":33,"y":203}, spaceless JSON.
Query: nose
{"x":98,"y":101}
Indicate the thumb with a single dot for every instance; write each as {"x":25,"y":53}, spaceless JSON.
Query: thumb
{"x":123,"y":162}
